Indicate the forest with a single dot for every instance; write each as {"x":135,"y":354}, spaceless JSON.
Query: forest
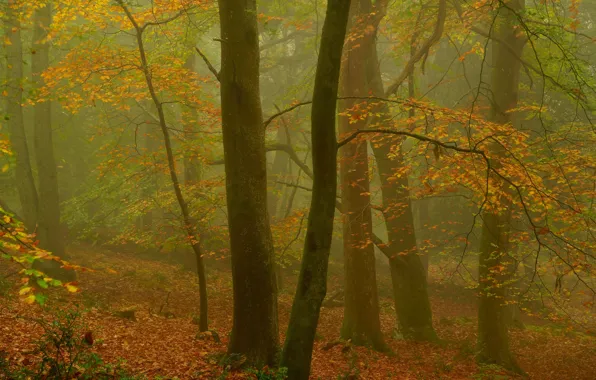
{"x":333,"y":189}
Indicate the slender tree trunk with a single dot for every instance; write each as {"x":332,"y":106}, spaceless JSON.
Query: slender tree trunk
{"x":493,"y":341}
{"x":14,"y":99}
{"x":192,"y":166}
{"x":408,"y":276}
{"x":361,"y":321}
{"x":150,"y":144}
{"x":312,"y":282}
{"x":255,"y":328}
{"x":189,"y":224}
{"x":279,"y":167}
{"x":192,"y":174}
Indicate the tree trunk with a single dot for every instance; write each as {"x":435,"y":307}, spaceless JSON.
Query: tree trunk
{"x":493,"y":341}
{"x":189,"y":224}
{"x":312,"y":282}
{"x":361,"y":321}
{"x":192,"y":174}
{"x":48,"y":231}
{"x":16,"y":125}
{"x":278,"y":169}
{"x":408,"y":276}
{"x":192,"y":166}
{"x":255,"y":328}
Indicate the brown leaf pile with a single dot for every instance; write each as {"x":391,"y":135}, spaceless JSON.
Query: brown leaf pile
{"x":163,"y":340}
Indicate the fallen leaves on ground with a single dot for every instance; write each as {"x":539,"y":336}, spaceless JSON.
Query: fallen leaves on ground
{"x":163,"y":340}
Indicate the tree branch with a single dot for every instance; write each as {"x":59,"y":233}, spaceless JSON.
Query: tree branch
{"x":423,"y":51}
{"x":209,"y":65}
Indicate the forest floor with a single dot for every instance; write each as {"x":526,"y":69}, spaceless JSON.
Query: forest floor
{"x":162,"y":341}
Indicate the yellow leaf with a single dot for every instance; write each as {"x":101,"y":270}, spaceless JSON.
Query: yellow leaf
{"x":24,"y":290}
{"x":30,"y":299}
{"x":5,"y":168}
{"x":71,"y":288}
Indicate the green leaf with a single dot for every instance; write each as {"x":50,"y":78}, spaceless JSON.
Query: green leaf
{"x":40,"y":299}
{"x":41,"y":282}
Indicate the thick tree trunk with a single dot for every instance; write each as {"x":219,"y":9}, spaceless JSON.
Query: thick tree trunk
{"x":361,"y":321}
{"x":408,"y":276}
{"x":493,"y":341}
{"x":312,"y":282}
{"x":255,"y":329}
{"x":16,"y":125}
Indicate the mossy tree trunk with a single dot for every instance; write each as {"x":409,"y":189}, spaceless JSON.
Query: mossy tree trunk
{"x":254,"y":329}
{"x":312,"y":281}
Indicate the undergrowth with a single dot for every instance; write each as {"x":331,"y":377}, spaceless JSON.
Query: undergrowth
{"x":64,"y":351}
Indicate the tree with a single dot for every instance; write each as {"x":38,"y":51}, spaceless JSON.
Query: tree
{"x":189,"y":224}
{"x":255,"y":329}
{"x":14,"y":99}
{"x":312,"y":281}
{"x":408,"y":275}
{"x":49,"y":229}
{"x":361,"y":313}
{"x":493,"y":341}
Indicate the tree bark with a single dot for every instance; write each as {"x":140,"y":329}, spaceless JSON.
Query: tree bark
{"x":493,"y":341}
{"x":255,"y":328}
{"x":408,"y":276}
{"x":361,"y":321}
{"x":16,"y":124}
{"x":312,"y":281}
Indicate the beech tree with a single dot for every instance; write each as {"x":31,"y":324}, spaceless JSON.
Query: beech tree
{"x":495,"y":243}
{"x":361,"y":313}
{"x":312,"y":281}
{"x":255,"y":329}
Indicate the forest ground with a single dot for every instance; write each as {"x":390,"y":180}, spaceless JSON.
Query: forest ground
{"x":162,"y":341}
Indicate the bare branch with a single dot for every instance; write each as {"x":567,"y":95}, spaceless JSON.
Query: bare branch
{"x":209,"y":65}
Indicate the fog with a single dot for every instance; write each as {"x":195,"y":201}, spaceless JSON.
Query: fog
{"x":364,"y":189}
